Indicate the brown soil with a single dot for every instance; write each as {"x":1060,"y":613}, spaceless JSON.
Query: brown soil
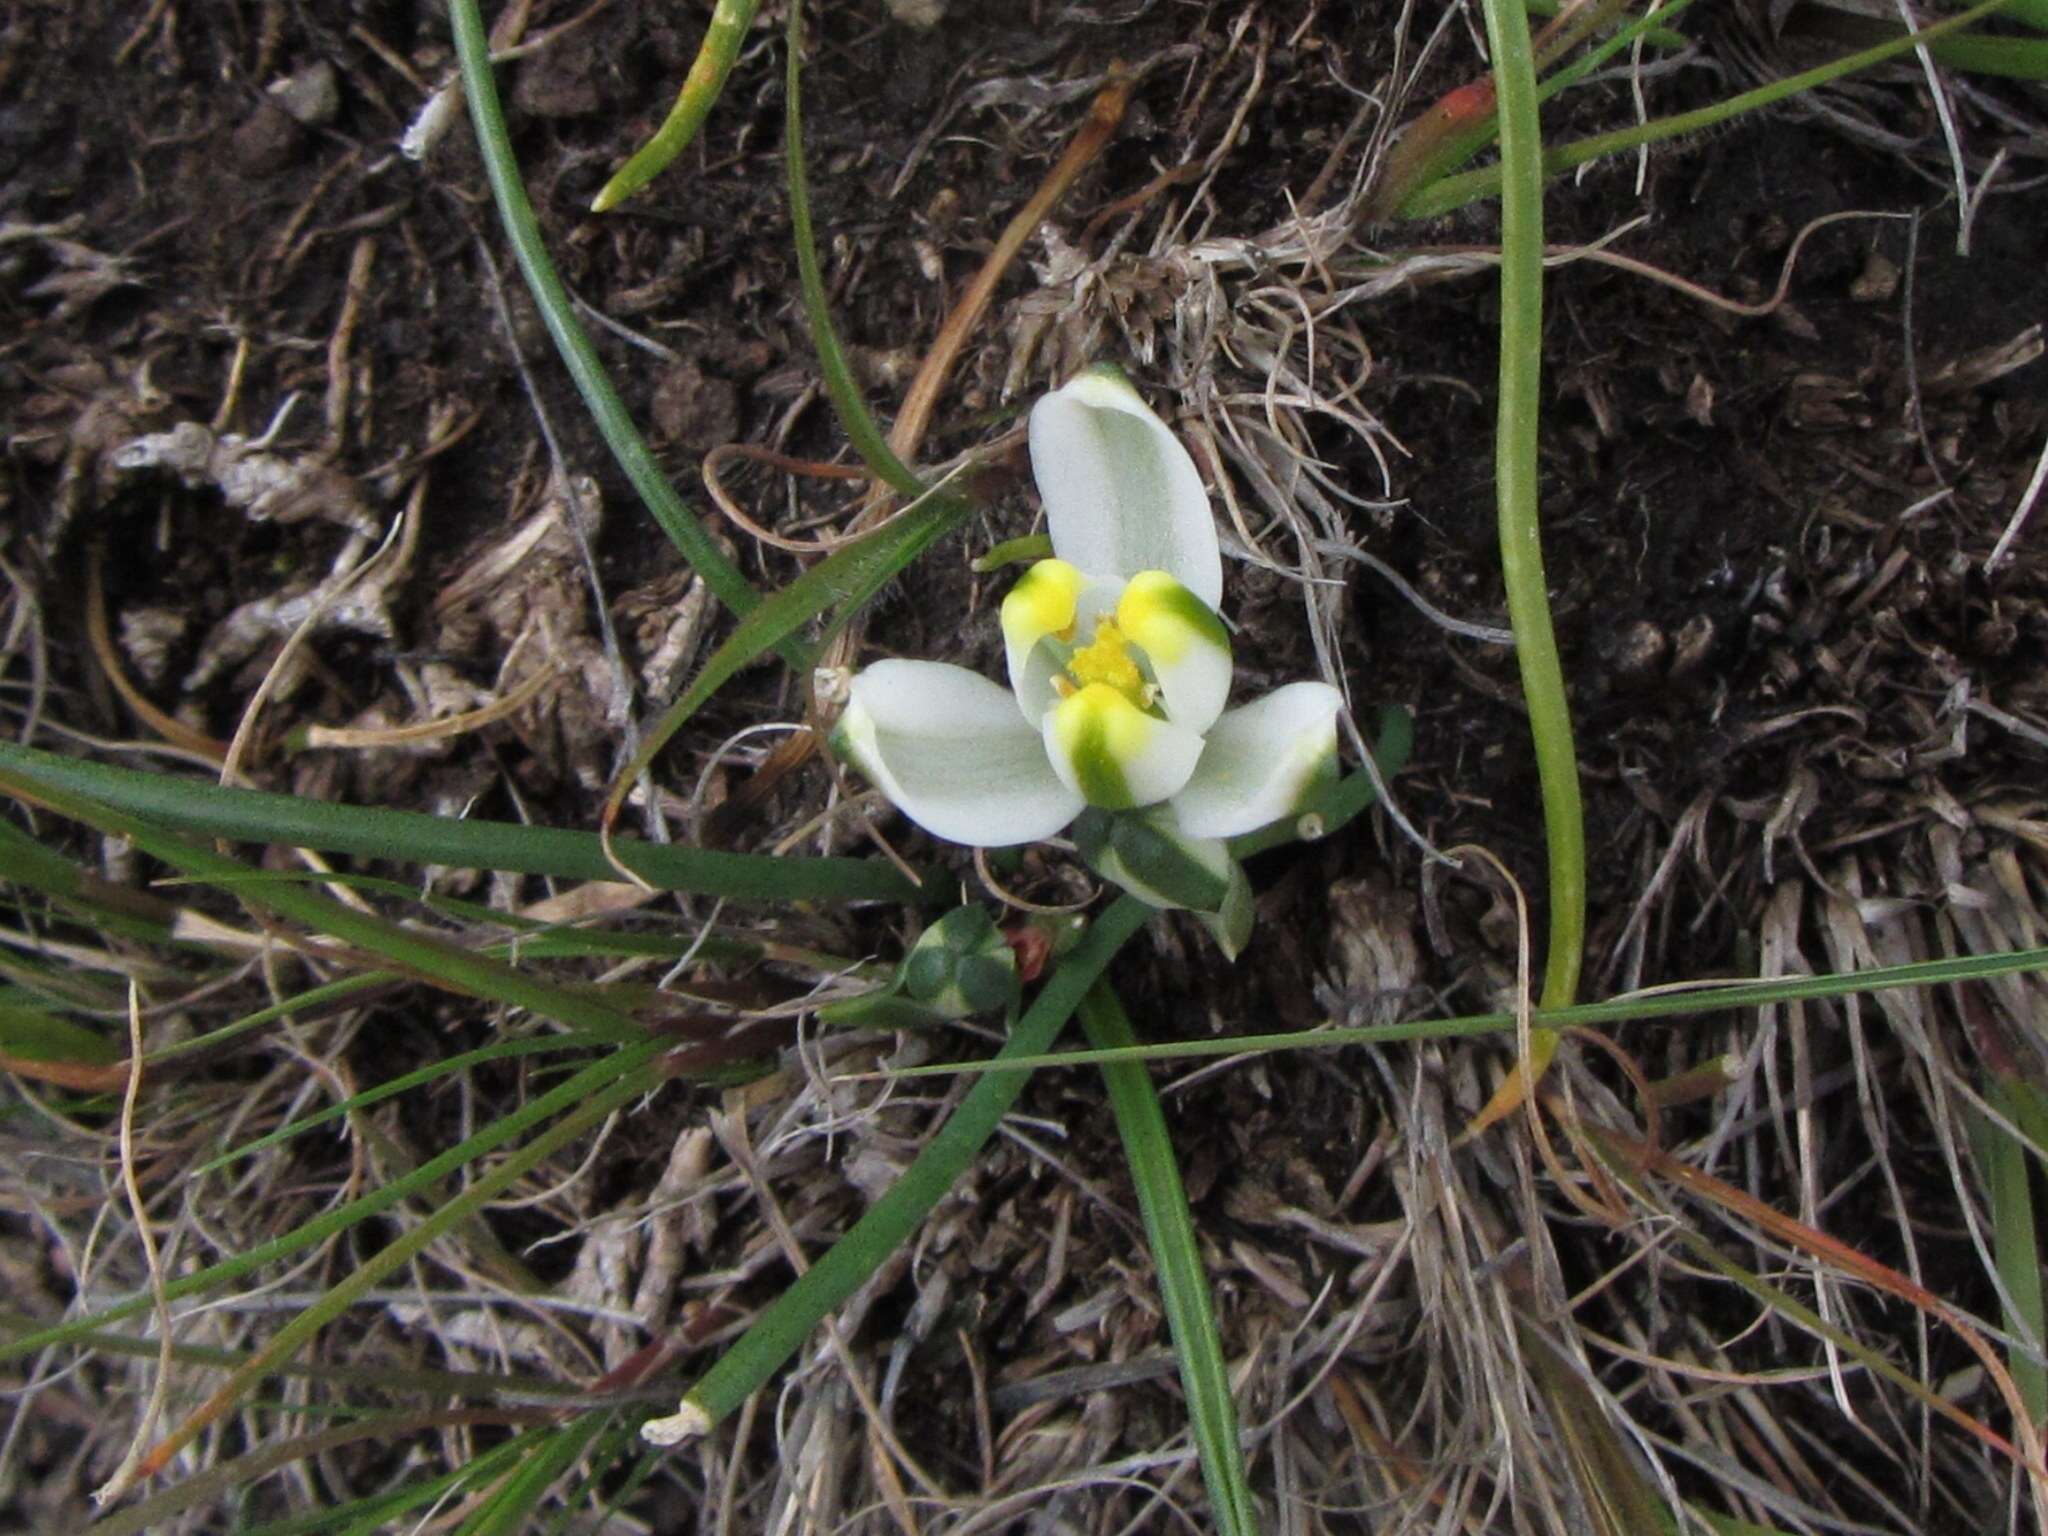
{"x":1766,"y":538}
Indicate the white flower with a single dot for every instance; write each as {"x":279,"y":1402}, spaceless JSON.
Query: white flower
{"x":1119,"y":666}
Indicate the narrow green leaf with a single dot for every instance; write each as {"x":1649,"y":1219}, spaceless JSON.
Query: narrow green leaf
{"x":412,"y":837}
{"x":635,"y":1079}
{"x":370,"y":1097}
{"x":406,"y":948}
{"x":1714,"y":999}
{"x":510,"y":1510}
{"x":362,"y":1517}
{"x":27,"y":863}
{"x":153,"y":1513}
{"x":783,"y":1325}
{"x":1177,"y":1256}
{"x":2016,"y":1236}
{"x":700,"y":91}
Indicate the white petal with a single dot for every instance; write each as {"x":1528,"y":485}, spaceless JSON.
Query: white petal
{"x":1114,"y":754}
{"x":953,"y":753}
{"x":1185,"y":642}
{"x":1261,"y":760}
{"x":1121,"y":494}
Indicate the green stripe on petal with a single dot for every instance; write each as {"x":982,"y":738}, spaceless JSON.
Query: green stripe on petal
{"x":1113,"y":753}
{"x":1186,"y":643}
{"x":1261,"y":761}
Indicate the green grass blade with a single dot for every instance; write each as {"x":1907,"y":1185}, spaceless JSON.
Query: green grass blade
{"x":407,"y":949}
{"x":2013,"y":58}
{"x":2016,"y":1237}
{"x":249,"y":815}
{"x":378,"y":1512}
{"x":1177,"y":1256}
{"x":35,"y":1034}
{"x":609,"y":412}
{"x":27,"y":864}
{"x":1469,"y":187}
{"x":155,"y":1512}
{"x":510,"y":1510}
{"x":701,"y":87}
{"x":571,"y":1091}
{"x":393,"y":1087}
{"x":781,"y":1328}
{"x":1516,"y":489}
{"x":489,"y":1385}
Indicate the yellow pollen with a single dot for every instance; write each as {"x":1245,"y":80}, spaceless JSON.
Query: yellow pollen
{"x":1107,"y":659}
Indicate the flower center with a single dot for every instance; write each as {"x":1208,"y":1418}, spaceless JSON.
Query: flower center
{"x":1107,"y":659}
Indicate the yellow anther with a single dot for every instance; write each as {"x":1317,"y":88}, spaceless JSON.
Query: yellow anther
{"x":1107,"y":659}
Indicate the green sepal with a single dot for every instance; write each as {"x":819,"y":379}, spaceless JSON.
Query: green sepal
{"x":1148,"y":855}
{"x":1231,"y":925}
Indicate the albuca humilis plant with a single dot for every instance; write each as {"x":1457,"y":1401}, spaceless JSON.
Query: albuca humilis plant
{"x":1119,"y":669}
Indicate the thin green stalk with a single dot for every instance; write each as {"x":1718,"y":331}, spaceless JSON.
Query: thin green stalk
{"x":1515,"y":488}
{"x":708,"y":71}
{"x":411,"y":837}
{"x":1177,"y":1255}
{"x":781,"y":1328}
{"x":558,"y":313}
{"x":1624,"y":1010}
